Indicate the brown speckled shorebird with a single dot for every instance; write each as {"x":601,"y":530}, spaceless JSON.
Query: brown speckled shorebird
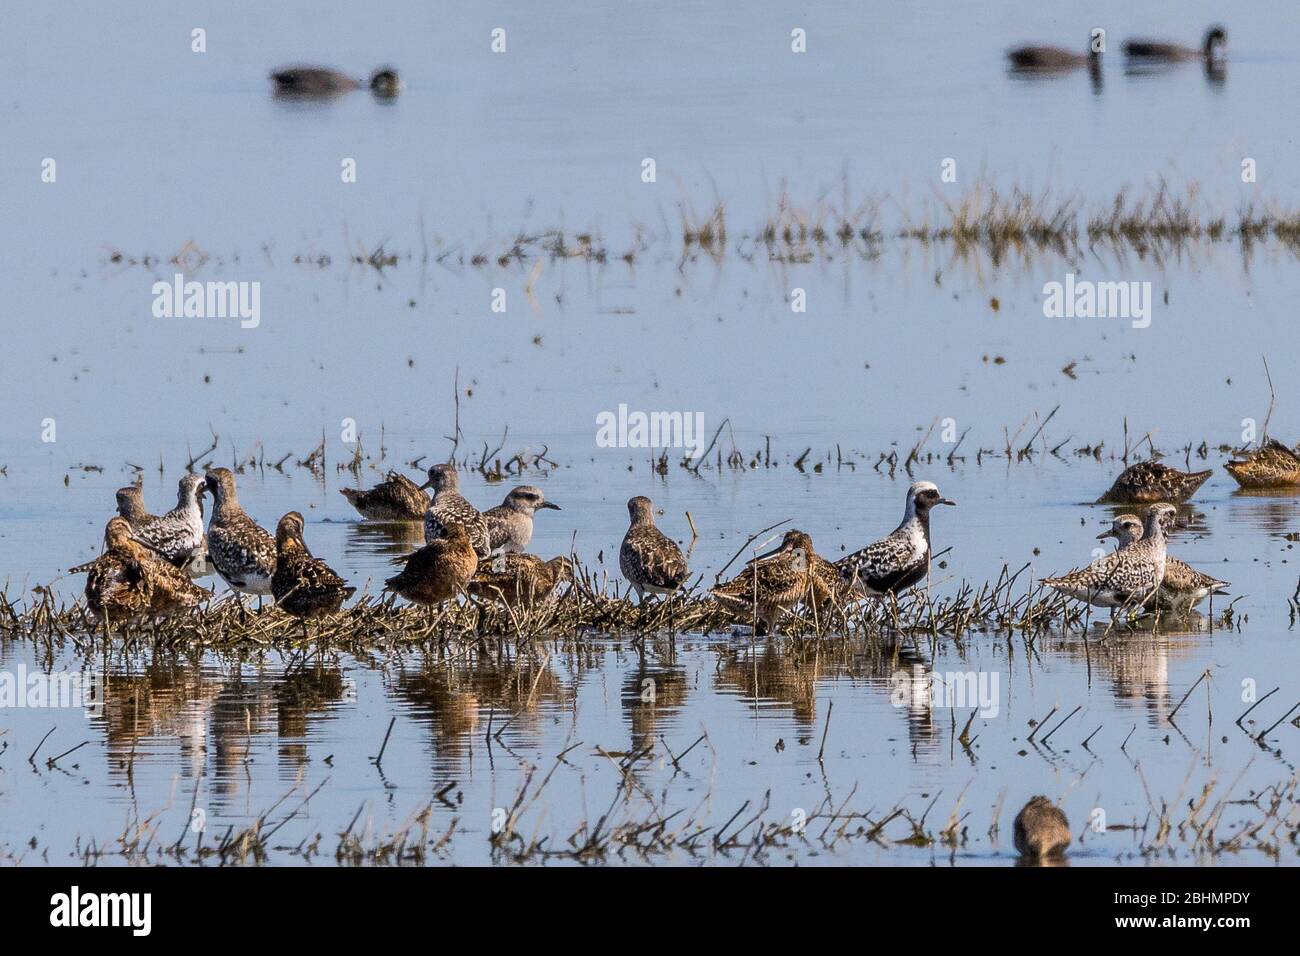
{"x":510,"y":524}
{"x":130,"y":505}
{"x":1128,"y":577}
{"x":439,"y":571}
{"x":1149,"y":481}
{"x":648,"y":558}
{"x":243,"y":552}
{"x":321,"y":81}
{"x":1271,"y":466}
{"x":1041,"y":829}
{"x":1183,"y":586}
{"x":303,"y":585}
{"x":772,"y":583}
{"x":396,"y":498}
{"x":519,"y":579}
{"x":450,"y":507}
{"x":129,"y":581}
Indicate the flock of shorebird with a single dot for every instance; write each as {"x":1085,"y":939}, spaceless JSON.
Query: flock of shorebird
{"x":149,"y":561}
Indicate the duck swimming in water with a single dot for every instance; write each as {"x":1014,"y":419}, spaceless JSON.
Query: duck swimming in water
{"x":1212,"y":49}
{"x":319,"y":81}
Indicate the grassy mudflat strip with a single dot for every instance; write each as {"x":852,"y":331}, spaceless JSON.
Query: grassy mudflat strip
{"x":1012,"y":603}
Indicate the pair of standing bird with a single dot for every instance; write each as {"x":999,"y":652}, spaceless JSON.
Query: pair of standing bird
{"x":1140,"y":573}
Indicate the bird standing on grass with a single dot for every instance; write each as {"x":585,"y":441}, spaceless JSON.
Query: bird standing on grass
{"x":648,"y":558}
{"x":243,"y":552}
{"x":439,"y":571}
{"x":303,"y":585}
{"x":129,"y":581}
{"x":899,"y":560}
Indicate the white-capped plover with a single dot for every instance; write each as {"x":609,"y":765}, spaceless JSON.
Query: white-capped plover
{"x":772,"y":583}
{"x":440,"y":570}
{"x":1041,"y":829}
{"x":130,"y":581}
{"x":449,"y":507}
{"x":1148,"y":482}
{"x":510,"y":524}
{"x":1272,"y":465}
{"x":1183,"y":586}
{"x":520,"y":579}
{"x":242,"y":551}
{"x":896,"y":562}
{"x":396,"y":498}
{"x":1128,"y":577}
{"x":648,"y":558}
{"x":178,"y":535}
{"x":304,"y":585}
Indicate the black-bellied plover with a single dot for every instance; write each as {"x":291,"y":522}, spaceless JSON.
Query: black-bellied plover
{"x":510,"y":524}
{"x":1213,"y":48}
{"x":1041,"y":829}
{"x":520,"y":579}
{"x":396,"y":498}
{"x":320,"y":81}
{"x":771,"y":584}
{"x":648,"y":558}
{"x":1148,"y":482}
{"x":242,"y":551}
{"x":1183,"y":586}
{"x":1273,"y":465}
{"x":130,"y":581}
{"x":450,"y":507}
{"x":178,"y":535}
{"x":440,"y":570}
{"x":896,"y":562}
{"x":304,"y":585}
{"x":1128,"y":577}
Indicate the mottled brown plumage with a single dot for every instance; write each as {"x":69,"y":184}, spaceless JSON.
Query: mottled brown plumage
{"x":772,"y":583}
{"x":1183,"y":587}
{"x":1148,"y":482}
{"x":519,"y":579}
{"x":396,"y":498}
{"x":130,"y":581}
{"x":440,"y":570}
{"x":303,"y":585}
{"x":242,"y":551}
{"x":1041,"y":829}
{"x":1271,"y":466}
{"x":648,"y":558}
{"x":130,"y":505}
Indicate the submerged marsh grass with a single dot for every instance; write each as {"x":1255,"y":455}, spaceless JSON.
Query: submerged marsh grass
{"x":981,"y":223}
